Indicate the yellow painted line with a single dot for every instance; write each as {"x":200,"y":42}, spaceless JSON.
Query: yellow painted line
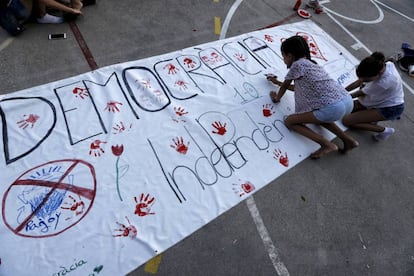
{"x":217,"y":25}
{"x":216,"y":1}
{"x":152,"y":265}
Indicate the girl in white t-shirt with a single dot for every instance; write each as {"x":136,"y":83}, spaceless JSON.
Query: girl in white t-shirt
{"x":319,"y":99}
{"x":380,"y":96}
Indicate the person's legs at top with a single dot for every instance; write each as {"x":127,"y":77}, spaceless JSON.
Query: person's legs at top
{"x":21,"y":12}
{"x":314,"y":4}
{"x":42,"y":16}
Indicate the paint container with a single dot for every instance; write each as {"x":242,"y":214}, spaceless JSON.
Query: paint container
{"x":411,"y":70}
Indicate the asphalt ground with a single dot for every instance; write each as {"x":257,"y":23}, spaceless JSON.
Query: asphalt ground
{"x":341,"y":215}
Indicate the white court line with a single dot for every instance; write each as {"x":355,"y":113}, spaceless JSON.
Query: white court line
{"x":362,"y":45}
{"x":6,"y":43}
{"x":226,"y":23}
{"x":267,"y":241}
{"x":394,"y":10}
{"x":378,"y":20}
{"x":251,"y":205}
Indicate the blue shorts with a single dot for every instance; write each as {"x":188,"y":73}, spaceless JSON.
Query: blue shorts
{"x":392,"y":112}
{"x":334,"y":112}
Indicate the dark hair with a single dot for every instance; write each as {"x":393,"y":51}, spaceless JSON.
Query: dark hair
{"x":371,"y":66}
{"x":297,"y":46}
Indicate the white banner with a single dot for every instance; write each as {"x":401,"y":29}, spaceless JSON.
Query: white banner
{"x":102,"y":171}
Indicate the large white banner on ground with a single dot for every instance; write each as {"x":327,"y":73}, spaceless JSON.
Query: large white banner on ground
{"x":102,"y":171}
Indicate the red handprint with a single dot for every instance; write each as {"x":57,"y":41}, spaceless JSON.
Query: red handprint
{"x":283,"y":159}
{"x":216,"y":57}
{"x":180,"y":111}
{"x":181,"y":84}
{"x":120,"y":127}
{"x":146,"y":83}
{"x":144,"y":205}
{"x":129,"y":230}
{"x":112,"y":106}
{"x":268,"y":38}
{"x":221,"y":129}
{"x":239,"y":57}
{"x":28,"y":121}
{"x":267,"y":110}
{"x":81,"y":92}
{"x":189,"y":62}
{"x":171,"y":68}
{"x":179,"y":145}
{"x":96,"y":149}
{"x":75,"y":206}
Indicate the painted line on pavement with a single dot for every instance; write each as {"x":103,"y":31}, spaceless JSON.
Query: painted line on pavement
{"x":378,"y":20}
{"x":267,"y":241}
{"x":6,"y":43}
{"x":254,"y":211}
{"x":394,"y":10}
{"x":82,"y":44}
{"x":152,"y":265}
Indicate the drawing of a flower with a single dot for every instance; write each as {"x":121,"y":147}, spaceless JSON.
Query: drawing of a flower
{"x":120,"y":171}
{"x":117,"y":150}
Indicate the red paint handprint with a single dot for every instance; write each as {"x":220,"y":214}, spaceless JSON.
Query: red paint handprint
{"x":96,"y":149}
{"x":181,"y":84}
{"x":239,"y":57}
{"x":144,"y":205}
{"x":126,"y":230}
{"x":171,"y":69}
{"x":28,"y":121}
{"x":220,"y":129}
{"x":179,"y":145}
{"x":283,"y":159}
{"x":267,"y":110}
{"x":76,"y":206}
{"x":180,"y":111}
{"x":216,"y":57}
{"x":80,"y":92}
{"x":146,"y":83}
{"x":268,"y":38}
{"x":120,"y":127}
{"x":189,"y":62}
{"x":112,"y":106}
{"x":244,"y":188}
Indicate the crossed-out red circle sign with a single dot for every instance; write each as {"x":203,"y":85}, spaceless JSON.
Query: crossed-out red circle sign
{"x":50,"y":198}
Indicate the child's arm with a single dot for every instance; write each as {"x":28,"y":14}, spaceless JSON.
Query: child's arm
{"x":358,"y":93}
{"x":356,"y":84}
{"x":274,"y":80}
{"x":282,"y":90}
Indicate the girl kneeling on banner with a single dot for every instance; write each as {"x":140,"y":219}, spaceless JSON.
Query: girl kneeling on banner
{"x":319,"y":99}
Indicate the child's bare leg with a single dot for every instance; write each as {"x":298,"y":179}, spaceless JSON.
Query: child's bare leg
{"x":296,"y":122}
{"x":349,"y":142}
{"x":363,"y":120}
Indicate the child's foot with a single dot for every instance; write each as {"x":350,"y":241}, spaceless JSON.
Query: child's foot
{"x":382,"y":136}
{"x":273,"y":96}
{"x":349,"y":145}
{"x":50,"y":19}
{"x":323,"y":151}
{"x":314,"y":4}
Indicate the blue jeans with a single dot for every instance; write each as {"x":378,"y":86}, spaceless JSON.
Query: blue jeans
{"x":13,"y":16}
